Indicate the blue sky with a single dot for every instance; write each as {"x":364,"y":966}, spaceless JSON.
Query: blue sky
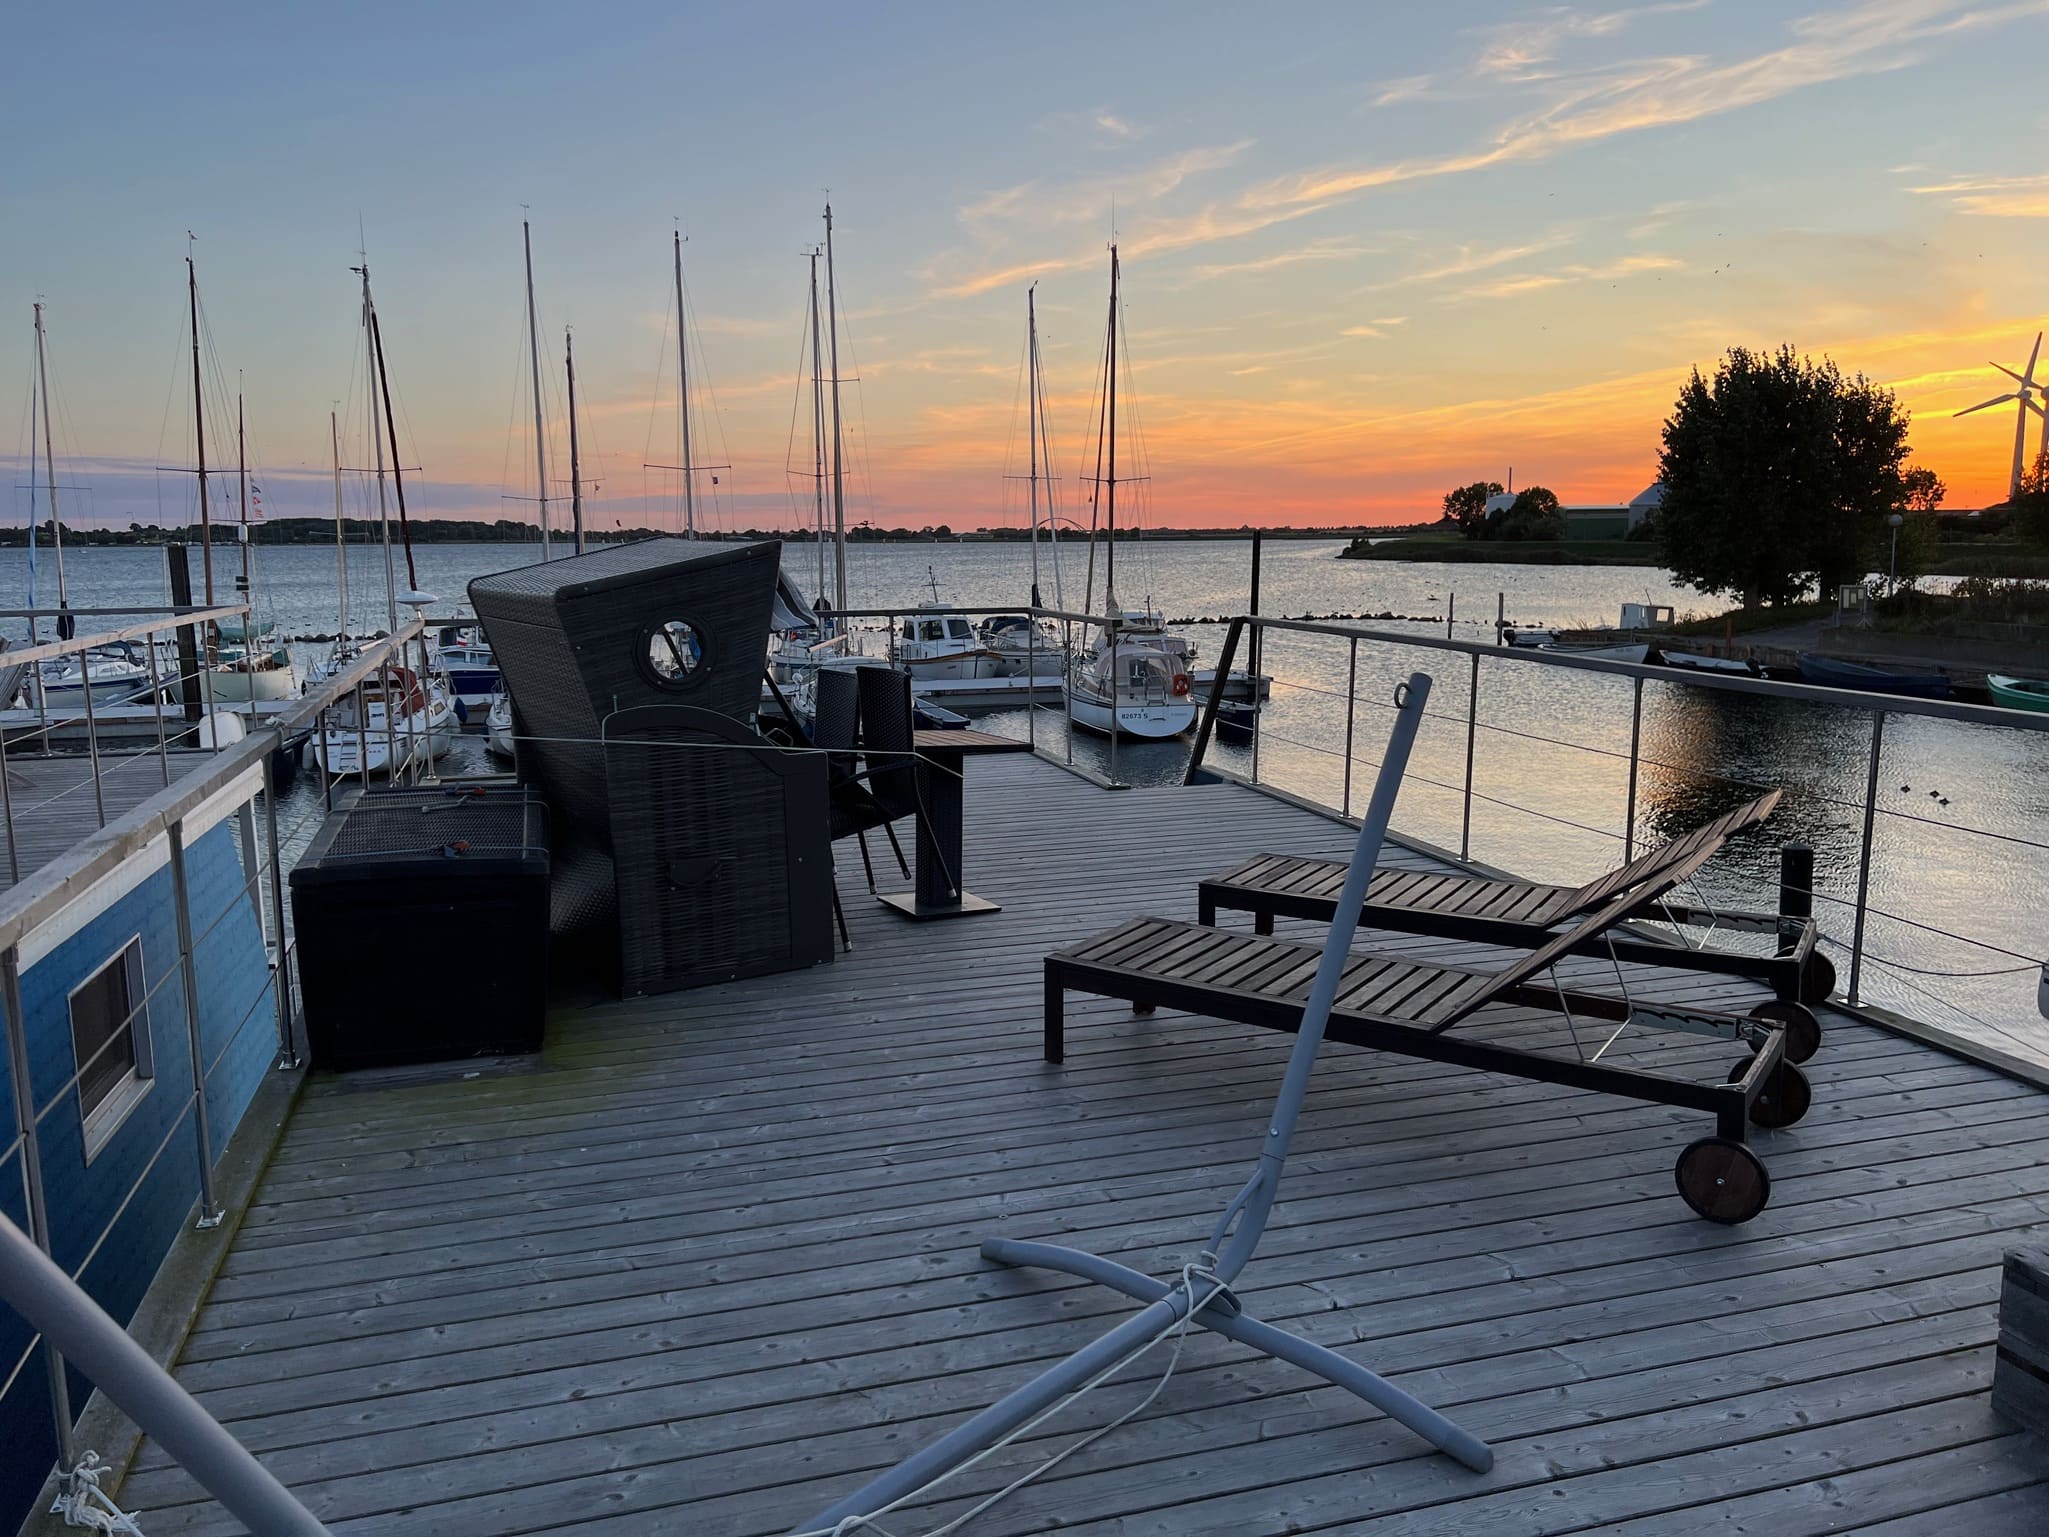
{"x":1370,"y":251}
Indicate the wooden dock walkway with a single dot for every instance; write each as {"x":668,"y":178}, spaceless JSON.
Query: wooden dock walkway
{"x":52,"y":805}
{"x":712,"y":1262}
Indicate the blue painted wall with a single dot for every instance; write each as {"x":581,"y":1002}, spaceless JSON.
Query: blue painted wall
{"x":158,"y":1143}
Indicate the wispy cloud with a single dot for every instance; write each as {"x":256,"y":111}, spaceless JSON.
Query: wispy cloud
{"x":1999,"y":197}
{"x":1630,"y":97}
{"x":1533,"y":282}
{"x":1089,"y":199}
{"x":1517,"y":50}
{"x":1471,"y":259}
{"x":1326,"y":250}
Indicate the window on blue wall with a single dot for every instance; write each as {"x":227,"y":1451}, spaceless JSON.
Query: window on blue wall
{"x":110,"y":1037}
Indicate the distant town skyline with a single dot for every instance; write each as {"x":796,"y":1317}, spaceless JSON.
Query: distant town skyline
{"x":1367,"y":257}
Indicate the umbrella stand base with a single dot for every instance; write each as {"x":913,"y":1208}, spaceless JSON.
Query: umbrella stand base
{"x":1224,"y":1317}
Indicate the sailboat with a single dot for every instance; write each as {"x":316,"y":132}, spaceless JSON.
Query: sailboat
{"x":1135,"y":679}
{"x":112,"y":674}
{"x":399,"y":719}
{"x":937,"y":641}
{"x":248,"y":664}
{"x":1018,"y":644}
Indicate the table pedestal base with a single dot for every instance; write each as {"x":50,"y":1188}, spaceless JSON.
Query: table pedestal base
{"x":907,"y":903}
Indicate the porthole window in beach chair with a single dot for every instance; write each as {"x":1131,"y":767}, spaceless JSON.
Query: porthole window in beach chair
{"x":676,"y":654}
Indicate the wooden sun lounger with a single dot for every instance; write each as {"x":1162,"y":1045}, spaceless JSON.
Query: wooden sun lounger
{"x":1393,"y":1004}
{"x":1520,"y":914}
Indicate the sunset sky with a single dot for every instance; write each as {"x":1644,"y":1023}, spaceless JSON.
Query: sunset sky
{"x":1370,"y":251}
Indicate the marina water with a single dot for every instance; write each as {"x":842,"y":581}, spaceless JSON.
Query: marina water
{"x":1961,"y":843}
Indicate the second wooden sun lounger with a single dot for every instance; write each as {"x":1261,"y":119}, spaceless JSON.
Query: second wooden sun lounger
{"x":1521,"y":914}
{"x":1399,"y":1005}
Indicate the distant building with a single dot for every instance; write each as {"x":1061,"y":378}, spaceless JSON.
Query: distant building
{"x":1613,"y":520}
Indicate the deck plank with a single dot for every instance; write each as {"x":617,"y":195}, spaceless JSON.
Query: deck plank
{"x":713,"y":1262}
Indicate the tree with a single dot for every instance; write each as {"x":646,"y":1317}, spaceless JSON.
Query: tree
{"x":1467,"y":506}
{"x":1778,"y":475}
{"x":1924,"y":489}
{"x":1534,"y":514}
{"x":2031,"y":504}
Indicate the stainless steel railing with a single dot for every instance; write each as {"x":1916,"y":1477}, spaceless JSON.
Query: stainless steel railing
{"x":222,"y":785}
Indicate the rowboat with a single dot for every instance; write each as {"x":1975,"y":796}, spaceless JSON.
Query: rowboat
{"x":1830,"y":673}
{"x":2019,"y":693}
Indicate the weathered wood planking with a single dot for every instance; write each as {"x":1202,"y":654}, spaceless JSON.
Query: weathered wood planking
{"x":715,"y":1262}
{"x":52,"y":799}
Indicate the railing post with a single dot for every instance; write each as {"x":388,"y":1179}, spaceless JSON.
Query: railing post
{"x":1465,"y":819}
{"x":1032,"y":681}
{"x":1116,"y":693}
{"x":32,"y":1186}
{"x":7,"y":815}
{"x":286,"y":1056}
{"x":1351,"y":708}
{"x":1864,"y":852}
{"x":156,"y":705}
{"x":1255,"y":665}
{"x":92,"y":735}
{"x":181,"y":906}
{"x":363,"y":734}
{"x":1635,"y":747}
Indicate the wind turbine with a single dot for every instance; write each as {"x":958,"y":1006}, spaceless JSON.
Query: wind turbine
{"x":2026,"y":402}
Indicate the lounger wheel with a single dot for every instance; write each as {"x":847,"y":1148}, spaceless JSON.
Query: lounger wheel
{"x":1803,"y":1030}
{"x":1723,"y":1180}
{"x":1817,"y":979}
{"x":1784,"y":1099}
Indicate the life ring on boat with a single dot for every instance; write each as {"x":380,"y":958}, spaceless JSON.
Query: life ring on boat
{"x":1180,"y":685}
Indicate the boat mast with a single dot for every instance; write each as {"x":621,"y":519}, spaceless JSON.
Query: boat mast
{"x":839,"y":499}
{"x":683,"y":396}
{"x":575,"y":468}
{"x":377,"y":447}
{"x":341,"y":553}
{"x":398,"y":475}
{"x":1110,"y":547}
{"x":533,"y":341}
{"x":50,"y":464}
{"x":1032,"y":423}
{"x":817,"y":427}
{"x":198,"y":434}
{"x":242,"y":475}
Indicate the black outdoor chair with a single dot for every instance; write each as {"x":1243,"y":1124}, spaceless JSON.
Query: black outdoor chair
{"x":889,"y":745}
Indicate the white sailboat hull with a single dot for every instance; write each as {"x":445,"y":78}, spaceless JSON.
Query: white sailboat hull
{"x":233,"y":685}
{"x":1147,"y":721}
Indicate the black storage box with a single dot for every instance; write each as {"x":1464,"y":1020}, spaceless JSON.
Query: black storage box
{"x":421,"y":924}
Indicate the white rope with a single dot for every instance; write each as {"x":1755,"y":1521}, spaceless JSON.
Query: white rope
{"x":83,"y":1503}
{"x":852,"y":1526}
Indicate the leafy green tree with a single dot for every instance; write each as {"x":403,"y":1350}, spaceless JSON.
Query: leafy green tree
{"x":1534,"y":514}
{"x":1467,"y":506}
{"x":1778,"y":476}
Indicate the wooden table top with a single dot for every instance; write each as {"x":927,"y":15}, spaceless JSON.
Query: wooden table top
{"x":963,"y":740}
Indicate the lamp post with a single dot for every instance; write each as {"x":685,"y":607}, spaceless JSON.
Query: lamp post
{"x":1892,"y":580}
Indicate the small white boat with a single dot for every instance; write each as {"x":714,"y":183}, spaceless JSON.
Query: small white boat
{"x":243,"y":672}
{"x":498,"y":724}
{"x":1022,"y":647}
{"x":413,"y":723}
{"x":1628,"y":651}
{"x":935,"y":642}
{"x":114,"y":673}
{"x":1700,"y":661}
{"x":463,"y":655}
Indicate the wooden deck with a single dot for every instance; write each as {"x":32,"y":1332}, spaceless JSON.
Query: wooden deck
{"x":52,"y":805}
{"x":713,"y":1262}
